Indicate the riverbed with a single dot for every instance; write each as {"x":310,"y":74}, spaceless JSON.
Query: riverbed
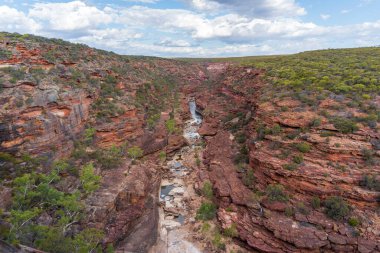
{"x":175,"y":192}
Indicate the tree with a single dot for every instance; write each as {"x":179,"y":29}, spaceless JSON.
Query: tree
{"x":135,"y":152}
{"x":206,"y":211}
{"x":90,"y":181}
{"x":89,"y":134}
{"x":109,"y":158}
{"x":170,"y":126}
{"x":87,"y":240}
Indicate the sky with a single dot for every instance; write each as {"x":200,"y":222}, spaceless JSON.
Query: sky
{"x":199,"y":28}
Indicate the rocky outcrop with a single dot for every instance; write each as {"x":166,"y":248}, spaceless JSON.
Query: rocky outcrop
{"x":125,"y":206}
{"x":333,"y":166}
{"x":49,"y":126}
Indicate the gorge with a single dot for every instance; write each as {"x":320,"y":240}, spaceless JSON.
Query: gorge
{"x":111,"y":153}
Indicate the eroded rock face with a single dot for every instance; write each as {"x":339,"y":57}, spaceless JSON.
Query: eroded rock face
{"x":125,"y":206}
{"x":334,"y":166}
{"x":47,"y":105}
{"x":51,"y":94}
{"x":45,"y":127}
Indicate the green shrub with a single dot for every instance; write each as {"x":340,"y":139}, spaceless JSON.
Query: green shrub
{"x":249,"y":178}
{"x":89,"y":134}
{"x":316,"y":202}
{"x":170,"y":125}
{"x":344,"y":125}
{"x":162,"y":156}
{"x":290,"y":166}
{"x":110,"y":248}
{"x":353,"y":222}
{"x":16,"y":74}
{"x":217,"y":241}
{"x":302,"y":208}
{"x":206,"y":211}
{"x":135,"y":152}
{"x":368,"y":156}
{"x":241,"y":158}
{"x":293,"y":134}
{"x":303,"y":147}
{"x":289,"y":211}
{"x":276,"y":129}
{"x":336,"y":208}
{"x":298,"y":159}
{"x":198,"y":161}
{"x":205,"y":227}
{"x":231,"y":231}
{"x":241,"y":138}
{"x":152,"y":120}
{"x":275,"y":192}
{"x":90,"y":181}
{"x":5,"y":54}
{"x":108,"y":158}
{"x":207,"y":190}
{"x":316,"y":122}
{"x":370,"y":182}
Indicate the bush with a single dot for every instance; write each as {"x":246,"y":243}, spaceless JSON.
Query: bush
{"x":303,"y":147}
{"x":289,"y":211}
{"x":275,"y":192}
{"x":218,"y":242}
{"x":293,"y":134}
{"x":316,"y":202}
{"x":206,"y":211}
{"x":368,"y":156}
{"x":336,"y":208}
{"x":5,"y":54}
{"x":370,"y":182}
{"x":298,"y":159}
{"x":152,"y":120}
{"x":90,"y":181}
{"x":353,"y":222}
{"x":198,"y":161}
{"x":89,"y":134}
{"x":231,"y":231}
{"x":170,"y":125}
{"x":316,"y":122}
{"x":162,"y":156}
{"x":207,"y":191}
{"x":290,"y":166}
{"x":241,"y":138}
{"x":302,"y":208}
{"x":135,"y":152}
{"x":344,"y":125}
{"x":16,"y":74}
{"x":109,"y":158}
{"x":205,"y":227}
{"x":249,"y":178}
{"x":276,"y":129}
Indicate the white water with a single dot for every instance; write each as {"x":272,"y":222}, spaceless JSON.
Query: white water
{"x":174,"y":211}
{"x":192,"y":126}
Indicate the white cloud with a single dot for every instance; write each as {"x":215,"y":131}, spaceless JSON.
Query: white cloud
{"x":260,"y":29}
{"x":253,"y":8}
{"x":345,"y":11}
{"x":16,"y":21}
{"x":325,"y":16}
{"x":229,"y":28}
{"x":69,"y":16}
{"x":205,"y":5}
{"x":173,"y":43}
{"x":143,"y":1}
